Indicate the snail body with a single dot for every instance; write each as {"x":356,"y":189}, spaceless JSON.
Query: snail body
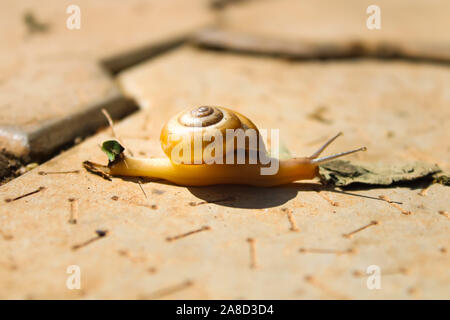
{"x":211,"y":174}
{"x":190,"y":140}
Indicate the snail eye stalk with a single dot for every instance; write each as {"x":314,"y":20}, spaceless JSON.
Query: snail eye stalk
{"x":314,"y":157}
{"x":325,"y":145}
{"x":337,"y":155}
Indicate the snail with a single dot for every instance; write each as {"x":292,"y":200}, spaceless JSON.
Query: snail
{"x":199,"y":142}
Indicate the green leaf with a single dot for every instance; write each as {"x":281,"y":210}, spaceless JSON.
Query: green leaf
{"x":284,"y":152}
{"x":442,"y":179}
{"x":113,"y":149}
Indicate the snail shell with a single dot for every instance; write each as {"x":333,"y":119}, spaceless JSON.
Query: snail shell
{"x":196,"y":129}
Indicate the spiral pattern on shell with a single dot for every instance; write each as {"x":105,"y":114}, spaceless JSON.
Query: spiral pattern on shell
{"x":201,"y":117}
{"x":194,"y":129}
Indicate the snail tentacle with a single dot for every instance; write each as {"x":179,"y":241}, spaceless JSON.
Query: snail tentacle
{"x":325,"y":145}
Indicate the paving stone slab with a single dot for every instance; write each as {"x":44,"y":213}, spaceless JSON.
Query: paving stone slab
{"x":51,"y":103}
{"x":311,"y":29}
{"x":296,"y":253}
{"x":53,"y":80}
{"x":108,"y":28}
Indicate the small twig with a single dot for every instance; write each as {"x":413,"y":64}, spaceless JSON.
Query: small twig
{"x":327,"y":251}
{"x":136,"y":203}
{"x":424,"y":191}
{"x":44,"y":173}
{"x":25,"y":195}
{"x":413,"y":291}
{"x":142,"y":189}
{"x":291,"y":219}
{"x":323,"y":195}
{"x":316,"y":283}
{"x":151,"y":206}
{"x":350,"y":234}
{"x":194,"y":204}
{"x":133,"y":258}
{"x":73,"y":211}
{"x":100,"y":234}
{"x":170,"y":290}
{"x":204,"y":228}
{"x":404,"y":271}
{"x":6,"y":236}
{"x":115,"y":135}
{"x":444,"y":213}
{"x":358,"y":274}
{"x":400,"y":270}
{"x":97,"y":169}
{"x":152,"y":270}
{"x":395,"y":205}
{"x":253,"y":257}
{"x":319,"y":115}
{"x":34,"y":25}
{"x":111,"y":125}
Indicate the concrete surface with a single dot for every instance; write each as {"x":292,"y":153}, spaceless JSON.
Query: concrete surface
{"x":53,"y":79}
{"x":296,"y":249}
{"x":311,"y":29}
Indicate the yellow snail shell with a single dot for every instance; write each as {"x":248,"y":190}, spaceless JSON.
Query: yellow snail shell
{"x":197,"y":128}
